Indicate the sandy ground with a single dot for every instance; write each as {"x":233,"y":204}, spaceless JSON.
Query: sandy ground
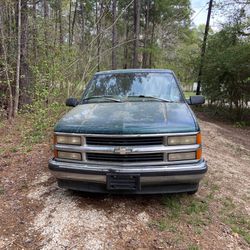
{"x":36,"y":214}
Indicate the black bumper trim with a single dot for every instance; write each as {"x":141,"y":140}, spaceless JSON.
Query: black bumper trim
{"x":101,"y":188}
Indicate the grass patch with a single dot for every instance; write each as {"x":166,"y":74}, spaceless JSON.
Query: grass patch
{"x":165,"y":225}
{"x":174,"y":208}
{"x":197,"y":206}
{"x":173,"y":203}
{"x":197,"y":221}
{"x":198,"y":215}
{"x":239,"y":224}
{"x":214,"y":187}
{"x":193,"y":247}
{"x":27,"y":149}
{"x":185,"y":209}
{"x":236,"y":220}
{"x":2,"y":151}
{"x":1,"y":190}
{"x":14,"y":149}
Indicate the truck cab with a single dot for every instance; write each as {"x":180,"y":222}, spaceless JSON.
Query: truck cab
{"x":132,"y":131}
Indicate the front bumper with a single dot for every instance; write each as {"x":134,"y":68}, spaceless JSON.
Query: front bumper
{"x":153,"y":179}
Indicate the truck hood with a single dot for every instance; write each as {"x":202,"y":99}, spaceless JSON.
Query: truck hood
{"x":128,"y":118}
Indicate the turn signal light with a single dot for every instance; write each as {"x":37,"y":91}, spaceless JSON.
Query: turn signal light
{"x":198,"y":154}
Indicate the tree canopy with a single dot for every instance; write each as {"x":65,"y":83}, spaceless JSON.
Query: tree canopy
{"x":50,"y":48}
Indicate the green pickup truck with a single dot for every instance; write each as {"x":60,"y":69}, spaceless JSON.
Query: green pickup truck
{"x":132,"y":131}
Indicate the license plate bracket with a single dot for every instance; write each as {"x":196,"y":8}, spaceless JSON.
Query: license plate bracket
{"x":126,"y":182}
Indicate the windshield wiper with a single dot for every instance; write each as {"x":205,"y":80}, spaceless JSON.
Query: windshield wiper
{"x":107,"y":97}
{"x":152,"y":97}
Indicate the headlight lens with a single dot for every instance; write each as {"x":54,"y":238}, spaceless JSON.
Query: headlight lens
{"x":71,"y":140}
{"x":182,"y":156}
{"x":182,"y":140}
{"x":69,"y":155}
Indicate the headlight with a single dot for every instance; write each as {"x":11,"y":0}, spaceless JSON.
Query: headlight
{"x":67,"y":139}
{"x":69,"y":155}
{"x":182,"y":156}
{"x":184,"y":140}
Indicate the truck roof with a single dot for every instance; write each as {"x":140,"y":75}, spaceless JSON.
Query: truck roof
{"x":124,"y":71}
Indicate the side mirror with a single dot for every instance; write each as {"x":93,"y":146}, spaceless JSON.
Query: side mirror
{"x":71,"y":102}
{"x":196,"y":100}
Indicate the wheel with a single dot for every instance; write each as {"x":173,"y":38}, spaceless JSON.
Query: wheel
{"x":193,"y":191}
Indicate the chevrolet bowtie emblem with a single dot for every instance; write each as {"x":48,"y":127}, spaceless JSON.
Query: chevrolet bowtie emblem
{"x":122,"y":150}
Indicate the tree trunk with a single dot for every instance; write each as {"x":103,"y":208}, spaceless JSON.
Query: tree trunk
{"x":82,"y":25}
{"x":11,"y":25}
{"x":46,"y":15}
{"x":25,"y":82}
{"x":203,"y":48}
{"x":60,"y":24}
{"x":55,"y":26}
{"x":151,"y":45}
{"x":145,"y":53}
{"x":18,"y":60}
{"x":126,"y":45}
{"x":70,"y":8}
{"x":34,"y":35}
{"x":98,"y":29}
{"x":137,"y":11}
{"x":73,"y":23}
{"x":10,"y":104}
{"x":114,"y":36}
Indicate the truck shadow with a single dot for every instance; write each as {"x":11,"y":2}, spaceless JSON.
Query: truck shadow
{"x":133,"y":201}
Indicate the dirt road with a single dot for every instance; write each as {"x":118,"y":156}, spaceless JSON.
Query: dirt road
{"x":36,"y":214}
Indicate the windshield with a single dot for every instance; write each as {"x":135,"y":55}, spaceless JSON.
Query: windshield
{"x":129,"y":85}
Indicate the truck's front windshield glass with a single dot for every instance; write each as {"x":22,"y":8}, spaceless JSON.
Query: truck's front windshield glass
{"x":129,"y":85}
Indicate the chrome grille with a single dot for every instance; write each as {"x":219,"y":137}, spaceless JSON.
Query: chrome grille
{"x":124,"y":141}
{"x":130,"y":158}
{"x":126,"y":150}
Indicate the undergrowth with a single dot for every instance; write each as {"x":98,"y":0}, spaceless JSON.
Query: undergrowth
{"x":39,"y":123}
{"x":225,"y":114}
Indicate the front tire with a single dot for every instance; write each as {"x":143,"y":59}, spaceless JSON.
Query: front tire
{"x":193,"y":191}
